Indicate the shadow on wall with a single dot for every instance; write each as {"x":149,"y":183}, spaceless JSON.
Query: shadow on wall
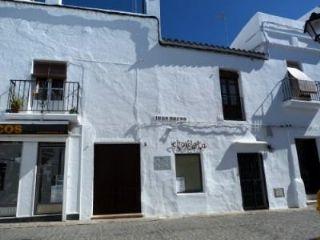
{"x":4,"y":99}
{"x":177,"y":56}
{"x":138,"y":33}
{"x":300,"y":54}
{"x":146,"y":58}
{"x":192,"y":130}
{"x":272,"y":112}
{"x":230,"y":158}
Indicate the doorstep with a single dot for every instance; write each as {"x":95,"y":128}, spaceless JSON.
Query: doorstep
{"x":312,"y":202}
{"x":117,"y":216}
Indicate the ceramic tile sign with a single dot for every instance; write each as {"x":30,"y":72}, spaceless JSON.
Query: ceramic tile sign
{"x":279,"y":192}
{"x":170,"y":119}
{"x":162,"y":163}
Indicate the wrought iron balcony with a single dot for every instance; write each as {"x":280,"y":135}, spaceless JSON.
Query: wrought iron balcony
{"x":43,"y":96}
{"x":290,"y":92}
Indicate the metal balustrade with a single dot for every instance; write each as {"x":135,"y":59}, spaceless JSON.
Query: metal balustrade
{"x":29,"y":95}
{"x":289,"y":92}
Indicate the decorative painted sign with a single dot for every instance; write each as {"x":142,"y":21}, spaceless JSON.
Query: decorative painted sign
{"x":170,"y":119}
{"x":188,"y":146}
{"x":10,"y":129}
{"x":279,"y":192}
{"x":162,"y":163}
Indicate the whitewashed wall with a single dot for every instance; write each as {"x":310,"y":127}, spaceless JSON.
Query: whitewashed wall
{"x":127,"y":78}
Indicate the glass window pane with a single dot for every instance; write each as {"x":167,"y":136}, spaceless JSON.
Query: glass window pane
{"x":188,"y":173}
{"x":10,"y":158}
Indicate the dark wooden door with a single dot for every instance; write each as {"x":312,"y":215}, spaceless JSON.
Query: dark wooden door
{"x":117,"y":179}
{"x":252,"y":179}
{"x":309,"y":164}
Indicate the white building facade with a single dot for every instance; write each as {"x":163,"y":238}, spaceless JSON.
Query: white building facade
{"x":101,"y":116}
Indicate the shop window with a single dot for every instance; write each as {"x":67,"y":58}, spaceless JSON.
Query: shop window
{"x":2,"y":175}
{"x":230,"y":94}
{"x":10,"y":158}
{"x":188,"y":173}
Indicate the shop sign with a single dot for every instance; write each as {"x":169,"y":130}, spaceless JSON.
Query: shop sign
{"x":188,"y":146}
{"x":9,"y":129}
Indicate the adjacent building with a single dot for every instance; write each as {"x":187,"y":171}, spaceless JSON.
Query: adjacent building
{"x":102,"y":116}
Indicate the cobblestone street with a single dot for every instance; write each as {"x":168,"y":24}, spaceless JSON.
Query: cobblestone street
{"x":293,"y":224}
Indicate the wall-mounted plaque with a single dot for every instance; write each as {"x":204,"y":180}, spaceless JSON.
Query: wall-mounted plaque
{"x":279,"y":192}
{"x":162,"y":163}
{"x":169,"y":119}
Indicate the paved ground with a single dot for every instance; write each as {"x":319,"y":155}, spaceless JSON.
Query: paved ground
{"x":294,"y":224}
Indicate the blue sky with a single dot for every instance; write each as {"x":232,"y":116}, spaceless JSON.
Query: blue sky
{"x":202,"y":20}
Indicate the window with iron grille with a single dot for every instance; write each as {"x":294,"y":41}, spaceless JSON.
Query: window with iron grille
{"x":230,"y":94}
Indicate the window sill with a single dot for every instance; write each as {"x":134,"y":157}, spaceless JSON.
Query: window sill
{"x":74,"y":118}
{"x":191,"y":194}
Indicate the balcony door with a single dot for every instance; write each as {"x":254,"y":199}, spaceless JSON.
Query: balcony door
{"x":49,"y":86}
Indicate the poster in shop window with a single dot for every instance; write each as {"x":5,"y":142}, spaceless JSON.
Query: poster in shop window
{"x":181,"y":184}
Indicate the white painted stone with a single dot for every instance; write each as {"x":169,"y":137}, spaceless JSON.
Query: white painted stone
{"x":127,"y":78}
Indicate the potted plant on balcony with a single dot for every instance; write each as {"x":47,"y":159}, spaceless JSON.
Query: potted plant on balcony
{"x":16,"y":104}
{"x":73,"y":110}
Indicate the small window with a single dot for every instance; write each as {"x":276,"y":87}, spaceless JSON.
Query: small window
{"x":293,"y":64}
{"x":188,"y":173}
{"x":230,"y":94}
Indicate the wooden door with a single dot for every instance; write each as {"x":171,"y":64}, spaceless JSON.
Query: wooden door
{"x":309,"y":164}
{"x":252,"y":179}
{"x":117,"y":179}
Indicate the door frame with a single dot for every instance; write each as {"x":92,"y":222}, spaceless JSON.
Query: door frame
{"x":116,"y":141}
{"x":264,"y":179}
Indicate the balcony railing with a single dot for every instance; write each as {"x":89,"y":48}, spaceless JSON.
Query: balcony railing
{"x":27,"y":95}
{"x":289,"y":93}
